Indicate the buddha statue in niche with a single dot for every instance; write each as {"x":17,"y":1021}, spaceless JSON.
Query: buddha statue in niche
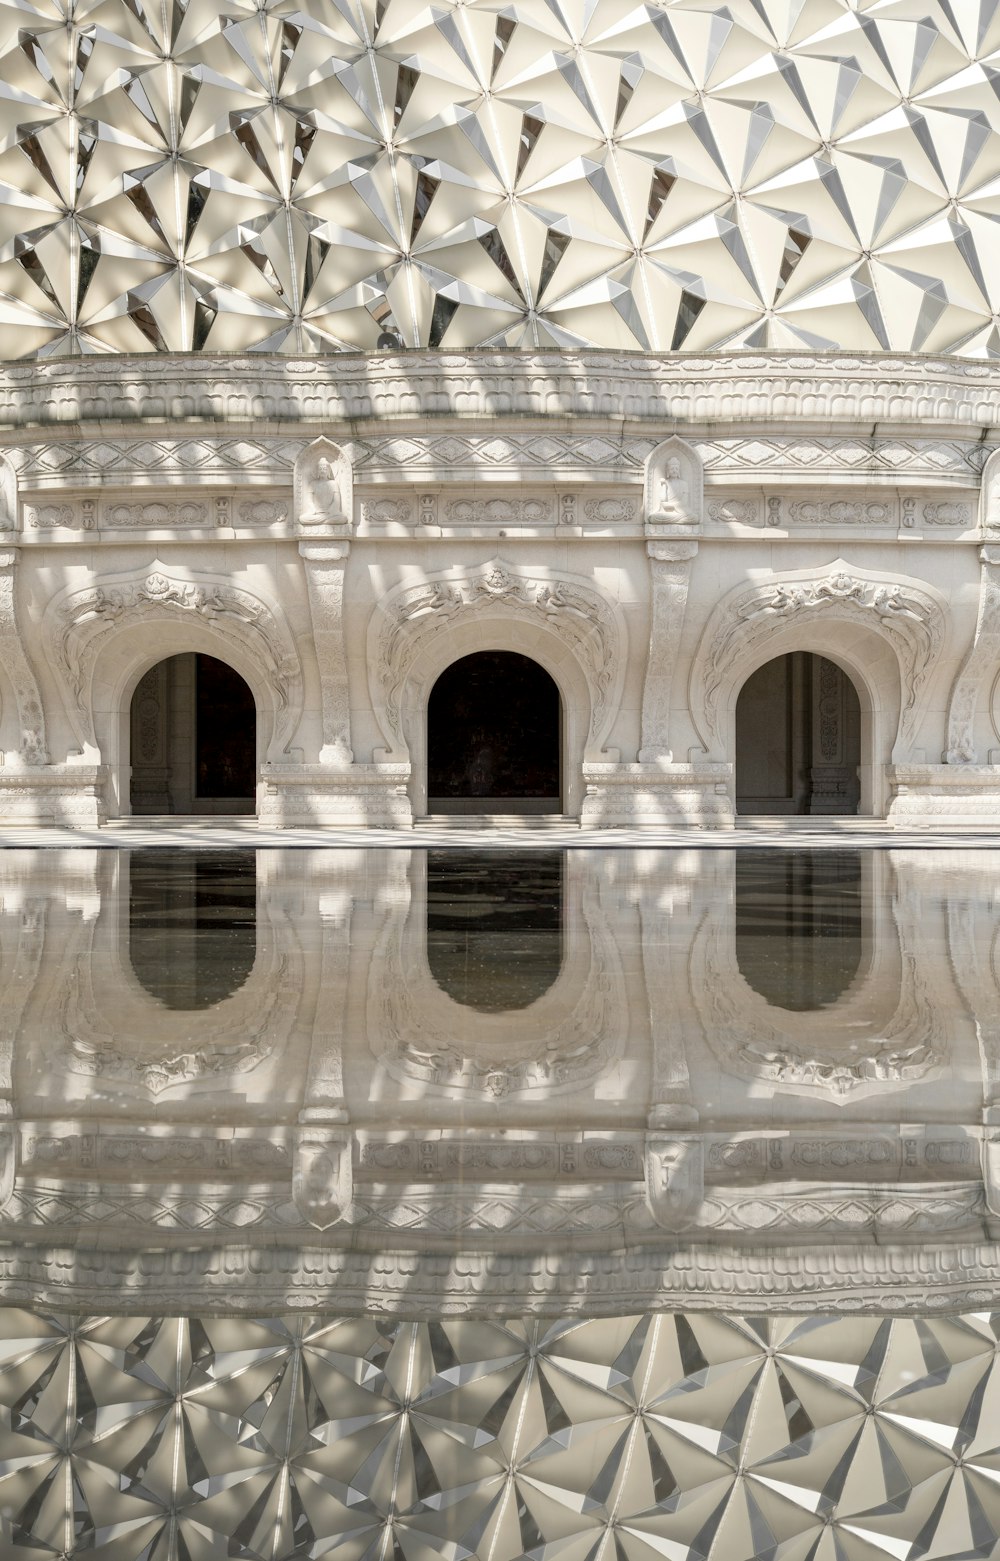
{"x":674,"y":487}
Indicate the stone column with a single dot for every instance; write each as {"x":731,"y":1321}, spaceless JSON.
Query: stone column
{"x":33,"y":748}
{"x":325,"y":563}
{"x":670,"y":567}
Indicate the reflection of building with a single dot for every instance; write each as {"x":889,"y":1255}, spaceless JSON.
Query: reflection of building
{"x":505,"y":413}
{"x":362,"y":1097}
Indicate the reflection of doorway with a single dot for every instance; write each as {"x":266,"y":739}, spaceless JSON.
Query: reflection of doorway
{"x":798,"y":738}
{"x":193,"y":739}
{"x":192,"y":920}
{"x":493,"y":737}
{"x":495,"y":926}
{"x":800,"y":921}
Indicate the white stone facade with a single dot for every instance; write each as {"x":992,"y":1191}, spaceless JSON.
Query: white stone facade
{"x":651,"y":530}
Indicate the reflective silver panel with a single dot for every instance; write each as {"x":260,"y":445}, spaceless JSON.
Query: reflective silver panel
{"x":680,"y":174}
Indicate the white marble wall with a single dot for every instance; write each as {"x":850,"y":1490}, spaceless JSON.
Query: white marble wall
{"x":651,"y":530}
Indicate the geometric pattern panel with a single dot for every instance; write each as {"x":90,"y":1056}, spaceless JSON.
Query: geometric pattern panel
{"x":553,"y":173}
{"x":690,"y":1438}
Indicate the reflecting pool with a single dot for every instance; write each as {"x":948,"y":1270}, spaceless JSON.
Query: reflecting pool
{"x":534,"y":1206}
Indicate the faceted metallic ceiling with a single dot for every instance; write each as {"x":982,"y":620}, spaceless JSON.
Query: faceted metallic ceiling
{"x":311,"y":175}
{"x":689,"y":1438}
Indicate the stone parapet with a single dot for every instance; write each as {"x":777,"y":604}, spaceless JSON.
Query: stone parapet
{"x":358,"y":794}
{"x":652,"y":794}
{"x":933,"y":795}
{"x":67,"y":794}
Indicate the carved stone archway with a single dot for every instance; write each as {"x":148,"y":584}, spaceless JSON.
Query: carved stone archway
{"x":101,"y":640}
{"x":885,"y":631}
{"x":566,"y":624}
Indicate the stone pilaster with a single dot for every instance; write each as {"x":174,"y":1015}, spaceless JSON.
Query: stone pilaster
{"x":33,"y":749}
{"x":325,"y":564}
{"x":670,"y":569}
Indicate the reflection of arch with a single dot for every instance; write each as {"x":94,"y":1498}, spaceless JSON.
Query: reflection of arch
{"x":493,"y":735}
{"x":102,"y":639}
{"x":884,"y":632}
{"x":800,"y":926}
{"x":564,"y":623}
{"x":565,"y":1040}
{"x":882,"y":1032}
{"x":100,"y":1042}
{"x":495,"y":926}
{"x":192,"y":925}
{"x":798,"y":738}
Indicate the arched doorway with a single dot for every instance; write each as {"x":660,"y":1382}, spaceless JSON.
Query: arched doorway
{"x":798,"y":738}
{"x":193,"y":729}
{"x":494,"y":737}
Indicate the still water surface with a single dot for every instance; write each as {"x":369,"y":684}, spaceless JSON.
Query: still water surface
{"x":403,"y":1204}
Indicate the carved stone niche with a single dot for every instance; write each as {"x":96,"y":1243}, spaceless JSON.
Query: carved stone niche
{"x":324,"y":488}
{"x":675,"y":487}
{"x":323,"y":1173}
{"x":675,"y":1178}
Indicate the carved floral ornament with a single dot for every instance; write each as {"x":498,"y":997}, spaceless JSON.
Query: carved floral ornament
{"x":410,"y":620}
{"x":77,"y":625}
{"x":909,"y":616}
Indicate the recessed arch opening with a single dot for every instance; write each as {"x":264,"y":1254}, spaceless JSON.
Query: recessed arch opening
{"x":193,"y":738}
{"x":798,"y":738}
{"x":494,"y":737}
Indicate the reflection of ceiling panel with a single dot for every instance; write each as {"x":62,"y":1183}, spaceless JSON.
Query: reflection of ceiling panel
{"x":679,"y":174}
{"x":693,"y":1437}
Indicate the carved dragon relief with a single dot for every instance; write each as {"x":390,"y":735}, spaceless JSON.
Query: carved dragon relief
{"x":410,"y":618}
{"x":907,"y":615}
{"x":77,"y":623}
{"x":583,"y":1040}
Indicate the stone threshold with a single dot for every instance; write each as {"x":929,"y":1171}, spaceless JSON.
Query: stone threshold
{"x":501,"y":833}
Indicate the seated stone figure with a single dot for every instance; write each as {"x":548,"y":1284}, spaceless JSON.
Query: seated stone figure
{"x":675,"y":494}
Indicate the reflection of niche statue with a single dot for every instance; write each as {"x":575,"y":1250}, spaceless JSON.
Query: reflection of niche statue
{"x":192,"y":925}
{"x":494,"y":926}
{"x":799,"y":925}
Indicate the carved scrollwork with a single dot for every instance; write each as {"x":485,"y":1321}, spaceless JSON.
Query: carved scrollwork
{"x":77,"y":623}
{"x":979,"y":666}
{"x":908,"y":616}
{"x":411,"y":617}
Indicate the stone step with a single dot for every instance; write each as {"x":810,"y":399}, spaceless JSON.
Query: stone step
{"x":505,"y":821}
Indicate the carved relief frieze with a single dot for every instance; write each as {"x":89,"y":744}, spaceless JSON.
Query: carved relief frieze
{"x":388,"y":512}
{"x":793,"y":454}
{"x":51,"y":517}
{"x":77,"y":622}
{"x":947,"y":513}
{"x":510,"y":510}
{"x":87,"y":462}
{"x":263,"y":512}
{"x":156,"y":514}
{"x":908,"y":615}
{"x":841,"y":512}
{"x":614,"y":510}
{"x":735,"y":510}
{"x":410,"y":617}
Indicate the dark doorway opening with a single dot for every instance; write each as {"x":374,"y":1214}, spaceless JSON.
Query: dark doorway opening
{"x":193,"y":739}
{"x":798,"y":738}
{"x":494,"y":737}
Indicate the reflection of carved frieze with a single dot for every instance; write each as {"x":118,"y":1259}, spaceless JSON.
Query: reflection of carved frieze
{"x":740,"y":512}
{"x":263,"y":512}
{"x":150,"y":1152}
{"x":841,"y":512}
{"x":487,"y":1158}
{"x":322,"y":1174}
{"x":947,"y":514}
{"x":516,"y":511}
{"x":610,"y":509}
{"x":904,"y":613}
{"x":47,"y":517}
{"x":186,"y":512}
{"x":408,"y":618}
{"x":76,"y":621}
{"x":387,"y":512}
